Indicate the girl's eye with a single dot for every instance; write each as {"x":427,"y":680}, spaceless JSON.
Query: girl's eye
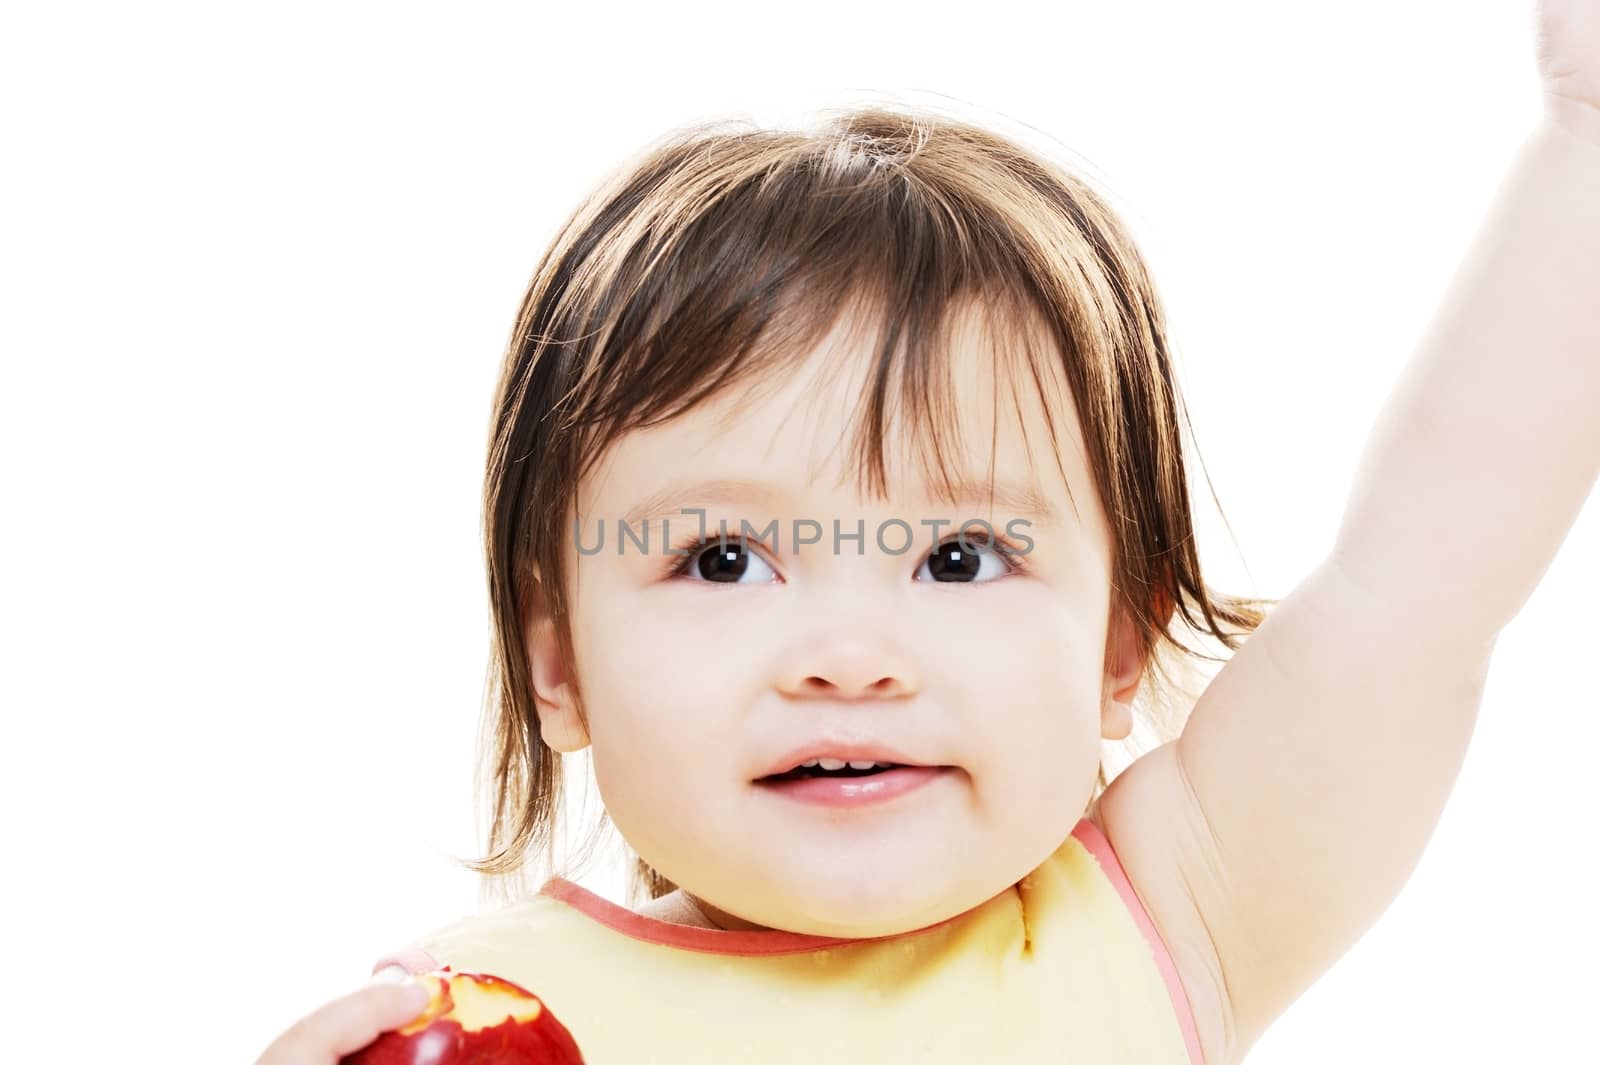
{"x":732,"y":561}
{"x":952,"y":561}
{"x":723,"y":562}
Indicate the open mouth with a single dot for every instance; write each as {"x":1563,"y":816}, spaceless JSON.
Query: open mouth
{"x":851,"y":788}
{"x":804,"y":772}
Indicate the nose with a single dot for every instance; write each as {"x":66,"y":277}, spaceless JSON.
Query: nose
{"x":850,"y":665}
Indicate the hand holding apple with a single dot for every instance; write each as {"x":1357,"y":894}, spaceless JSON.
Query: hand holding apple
{"x":473,"y":1019}
{"x":345,"y":1024}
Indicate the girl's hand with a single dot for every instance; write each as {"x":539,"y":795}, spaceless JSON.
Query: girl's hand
{"x":347,"y":1024}
{"x":1569,"y":64}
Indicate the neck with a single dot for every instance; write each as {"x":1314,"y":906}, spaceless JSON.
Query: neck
{"x":680,"y":907}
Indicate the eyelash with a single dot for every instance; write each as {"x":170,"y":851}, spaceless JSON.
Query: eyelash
{"x":1011,"y":554}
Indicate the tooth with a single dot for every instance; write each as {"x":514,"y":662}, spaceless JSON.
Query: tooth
{"x":862,"y":765}
{"x":808,"y":765}
{"x":831,"y":763}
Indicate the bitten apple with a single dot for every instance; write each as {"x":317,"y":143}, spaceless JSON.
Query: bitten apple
{"x":474,"y":1019}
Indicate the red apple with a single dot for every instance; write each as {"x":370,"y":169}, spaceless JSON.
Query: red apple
{"x":474,"y":1019}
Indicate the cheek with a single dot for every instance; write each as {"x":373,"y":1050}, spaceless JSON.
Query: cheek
{"x":1040,"y":699}
{"x":658,"y":696}
{"x":1044,"y":653}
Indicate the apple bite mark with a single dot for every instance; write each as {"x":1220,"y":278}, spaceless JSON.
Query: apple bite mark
{"x":474,"y":1019}
{"x":440,"y":1002}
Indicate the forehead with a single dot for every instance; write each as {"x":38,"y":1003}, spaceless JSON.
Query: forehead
{"x":995,"y":387}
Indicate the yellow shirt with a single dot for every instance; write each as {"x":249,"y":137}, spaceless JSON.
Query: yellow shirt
{"x":1066,"y":967}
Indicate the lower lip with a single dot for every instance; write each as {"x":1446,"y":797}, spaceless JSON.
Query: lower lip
{"x":857,"y":791}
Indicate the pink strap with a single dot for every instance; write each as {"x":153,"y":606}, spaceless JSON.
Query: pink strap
{"x":1088,"y":833}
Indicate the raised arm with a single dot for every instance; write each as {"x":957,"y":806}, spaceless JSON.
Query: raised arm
{"x":1490,"y":443}
{"x":1313,"y":771}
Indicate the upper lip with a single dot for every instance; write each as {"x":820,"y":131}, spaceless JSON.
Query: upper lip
{"x":847,"y":752}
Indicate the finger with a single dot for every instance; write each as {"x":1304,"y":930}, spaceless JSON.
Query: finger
{"x":347,"y":1024}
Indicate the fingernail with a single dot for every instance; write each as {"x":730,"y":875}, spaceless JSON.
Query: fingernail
{"x":391,"y":974}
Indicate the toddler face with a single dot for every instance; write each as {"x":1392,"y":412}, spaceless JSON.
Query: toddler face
{"x":699,"y":683}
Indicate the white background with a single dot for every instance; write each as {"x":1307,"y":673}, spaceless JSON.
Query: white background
{"x":259,"y":265}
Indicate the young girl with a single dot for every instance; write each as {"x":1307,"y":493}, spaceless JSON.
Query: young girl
{"x":835,"y":501}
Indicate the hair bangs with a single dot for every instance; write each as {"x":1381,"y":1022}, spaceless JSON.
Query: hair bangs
{"x":727,"y":300}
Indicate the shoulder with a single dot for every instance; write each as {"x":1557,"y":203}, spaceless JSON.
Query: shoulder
{"x":1152,"y":861}
{"x":413,"y":959}
{"x":436,"y":949}
{"x":497,"y":941}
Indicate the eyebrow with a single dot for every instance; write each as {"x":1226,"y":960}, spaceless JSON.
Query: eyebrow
{"x":1014,"y":499}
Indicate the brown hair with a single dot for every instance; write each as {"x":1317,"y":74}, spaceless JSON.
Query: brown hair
{"x":722,"y":252}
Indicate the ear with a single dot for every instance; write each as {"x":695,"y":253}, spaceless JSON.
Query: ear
{"x":554,"y":694}
{"x":1124,"y":668}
